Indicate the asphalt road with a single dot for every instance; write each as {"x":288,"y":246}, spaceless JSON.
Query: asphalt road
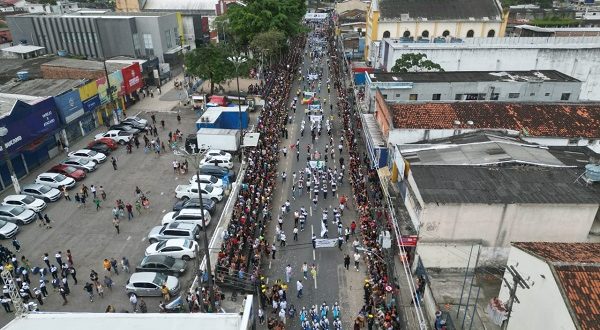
{"x":333,"y":283}
{"x":90,"y":235}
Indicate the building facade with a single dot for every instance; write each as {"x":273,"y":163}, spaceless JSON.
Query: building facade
{"x":431,"y":19}
{"x":511,"y":86}
{"x":99,"y":36}
{"x":578,"y":57}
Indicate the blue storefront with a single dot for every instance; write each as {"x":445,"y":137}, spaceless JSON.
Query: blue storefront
{"x":77,"y":117}
{"x":31,"y":136}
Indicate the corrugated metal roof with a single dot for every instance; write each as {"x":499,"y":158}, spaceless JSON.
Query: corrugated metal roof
{"x":183,"y":5}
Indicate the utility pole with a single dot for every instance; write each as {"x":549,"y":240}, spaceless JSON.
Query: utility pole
{"x":517,"y":281}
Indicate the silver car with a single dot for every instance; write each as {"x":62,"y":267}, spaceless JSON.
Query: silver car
{"x":8,"y":229}
{"x":81,"y":163}
{"x":32,"y":203}
{"x":174,"y":230}
{"x":149,"y":284}
{"x":41,"y":191}
{"x":16,"y":214}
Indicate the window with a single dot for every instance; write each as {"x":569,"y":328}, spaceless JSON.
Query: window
{"x":547,"y":94}
{"x":470,"y":34}
{"x":513,"y":95}
{"x":446,"y":33}
{"x":531,"y":94}
{"x":573,"y":141}
{"x":398,"y":95}
{"x":148,"y":46}
{"x":565,"y":96}
{"x":385,"y":96}
{"x":386,"y":34}
{"x":406,"y":34}
{"x":491,"y":33}
{"x":436,"y":97}
{"x":413,"y":97}
{"x":168,"y":38}
{"x":475,"y":96}
{"x":494,"y":96}
{"x":425,"y":34}
{"x":458,"y":97}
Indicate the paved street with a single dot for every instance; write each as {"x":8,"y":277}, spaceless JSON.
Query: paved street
{"x":90,"y":235}
{"x":333,"y":282}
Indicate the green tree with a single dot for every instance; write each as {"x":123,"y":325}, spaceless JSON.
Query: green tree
{"x":210,"y":62}
{"x":415,"y":62}
{"x":268,"y":43}
{"x":257,"y":16}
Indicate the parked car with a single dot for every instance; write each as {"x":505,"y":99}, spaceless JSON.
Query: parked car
{"x":110,"y":143}
{"x":88,"y":154}
{"x":135,"y":119}
{"x":174,"y":230}
{"x":208,"y":160}
{"x":149,"y":284}
{"x":178,"y":248}
{"x":216,"y":153}
{"x":80,"y":163}
{"x":208,"y":179}
{"x":193,"y":216}
{"x":43,"y":192}
{"x":121,"y":137}
{"x":69,"y":171}
{"x":185,"y":191}
{"x":98,"y":146}
{"x":16,"y":214}
{"x":55,"y":180}
{"x":26,"y":201}
{"x":162,"y":264}
{"x":125,"y":128}
{"x":136,"y":124}
{"x":194,"y":203}
{"x":8,"y":229}
{"x":217,"y":171}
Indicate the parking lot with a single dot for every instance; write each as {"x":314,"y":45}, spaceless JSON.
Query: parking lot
{"x":90,"y":234}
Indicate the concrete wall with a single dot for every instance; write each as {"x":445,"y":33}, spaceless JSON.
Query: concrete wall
{"x":496,"y":225}
{"x":541,"y":304}
{"x":22,"y":29}
{"x":577,"y":57}
{"x":457,"y":29}
{"x":156,"y":26}
{"x":528,"y":92}
{"x":109,"y":29}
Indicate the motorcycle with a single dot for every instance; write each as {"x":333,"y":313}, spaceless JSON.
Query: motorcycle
{"x":175,"y":306}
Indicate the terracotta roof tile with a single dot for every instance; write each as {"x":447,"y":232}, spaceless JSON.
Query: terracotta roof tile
{"x":533,"y":119}
{"x":581,"y":285}
{"x":588,"y":253}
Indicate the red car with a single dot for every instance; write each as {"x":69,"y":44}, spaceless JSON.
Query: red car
{"x":109,"y":143}
{"x":69,"y":171}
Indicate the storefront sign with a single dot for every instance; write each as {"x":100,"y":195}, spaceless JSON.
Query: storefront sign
{"x":28,"y":122}
{"x":88,"y":90}
{"x":410,"y":240}
{"x":91,"y":104}
{"x":69,"y":106}
{"x":132,"y":77}
{"x":116,"y":81}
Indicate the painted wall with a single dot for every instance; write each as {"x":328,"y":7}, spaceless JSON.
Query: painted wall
{"x":541,"y":304}
{"x":577,"y":57}
{"x":458,"y":29}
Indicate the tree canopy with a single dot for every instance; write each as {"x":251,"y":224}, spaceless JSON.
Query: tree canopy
{"x":258,"y":16}
{"x":210,"y":62}
{"x":415,"y":62}
{"x":268,"y":43}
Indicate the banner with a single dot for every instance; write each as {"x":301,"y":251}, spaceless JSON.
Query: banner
{"x":409,"y":240}
{"x":69,"y":106}
{"x":88,"y":90}
{"x":315,"y":118}
{"x":326,"y":242}
{"x":316,"y":164}
{"x":116,"y":81}
{"x":91,"y":104}
{"x":28,"y":122}
{"x":132,"y":78}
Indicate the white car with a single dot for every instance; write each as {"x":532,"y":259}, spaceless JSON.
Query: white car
{"x":41,"y":191}
{"x":26,"y":201}
{"x":150,"y":284}
{"x":80,"y":163}
{"x":139,"y":120}
{"x":212,"y":192}
{"x":216,"y":153}
{"x":208,"y":179}
{"x":178,"y":248}
{"x":55,"y":180}
{"x":193,"y":216}
{"x":88,"y":154}
{"x":120,"y":137}
{"x":217,"y":161}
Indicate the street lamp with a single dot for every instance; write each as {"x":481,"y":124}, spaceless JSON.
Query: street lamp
{"x":237,"y":61}
{"x":11,"y":169}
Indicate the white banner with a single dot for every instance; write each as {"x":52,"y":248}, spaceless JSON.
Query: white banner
{"x":316,"y":118}
{"x":326,"y":242}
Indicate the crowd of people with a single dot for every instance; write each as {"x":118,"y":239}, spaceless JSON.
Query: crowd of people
{"x":244,"y":241}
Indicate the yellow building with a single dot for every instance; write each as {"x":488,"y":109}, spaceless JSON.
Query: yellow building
{"x":429,"y":19}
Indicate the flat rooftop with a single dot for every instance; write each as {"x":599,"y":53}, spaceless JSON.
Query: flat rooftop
{"x":64,"y":62}
{"x":474,"y":76}
{"x":41,"y":87}
{"x":530,"y":119}
{"x":456,"y":184}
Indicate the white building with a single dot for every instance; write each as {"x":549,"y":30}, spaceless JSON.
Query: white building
{"x":564,"y":282}
{"x":511,"y":86}
{"x":550,"y":124}
{"x":491,"y":190}
{"x":578,"y":57}
{"x":430,"y":19}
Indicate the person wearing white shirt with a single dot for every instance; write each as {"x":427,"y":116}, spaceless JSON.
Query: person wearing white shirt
{"x":299,"y":288}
